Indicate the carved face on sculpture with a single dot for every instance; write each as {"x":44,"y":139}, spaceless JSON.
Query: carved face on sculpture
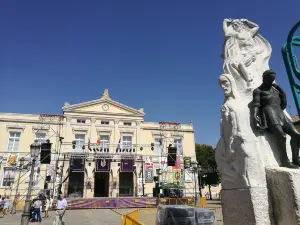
{"x":227,"y":84}
{"x":236,"y":26}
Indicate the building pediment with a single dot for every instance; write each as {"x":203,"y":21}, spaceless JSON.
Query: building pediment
{"x":103,"y":106}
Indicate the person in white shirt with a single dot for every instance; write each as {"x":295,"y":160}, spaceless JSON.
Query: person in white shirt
{"x":61,"y":207}
{"x":47,"y":206}
{"x":37,"y":210}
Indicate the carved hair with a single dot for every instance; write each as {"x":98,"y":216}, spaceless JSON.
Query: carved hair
{"x":231,"y":80}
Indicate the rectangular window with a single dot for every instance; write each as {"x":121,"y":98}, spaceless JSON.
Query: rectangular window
{"x":178,"y":144}
{"x":8,"y":177}
{"x":79,"y":139}
{"x":80,"y":121}
{"x":13,"y":141}
{"x":105,"y":122}
{"x":127,"y":123}
{"x":126,"y":141}
{"x":40,"y":137}
{"x":158,"y":148}
{"x":104,"y":141}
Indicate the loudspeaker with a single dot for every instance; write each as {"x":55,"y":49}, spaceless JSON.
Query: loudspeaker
{"x":48,"y":178}
{"x":172,"y":156}
{"x":46,"y":153}
{"x":155,"y":192}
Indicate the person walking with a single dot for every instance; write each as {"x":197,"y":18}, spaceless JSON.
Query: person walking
{"x":37,"y":210}
{"x":61,"y":207}
{"x":47,"y":207}
{"x":6,"y":205}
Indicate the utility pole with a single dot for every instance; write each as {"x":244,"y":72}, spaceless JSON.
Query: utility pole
{"x":143,"y":177}
{"x":35,"y":151}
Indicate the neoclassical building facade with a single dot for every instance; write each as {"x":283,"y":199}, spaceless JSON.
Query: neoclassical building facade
{"x":102,"y":149}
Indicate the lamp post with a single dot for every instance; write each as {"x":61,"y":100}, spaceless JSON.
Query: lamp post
{"x":195,"y":169}
{"x":20,"y":167}
{"x":34,"y":152}
{"x":200,"y":181}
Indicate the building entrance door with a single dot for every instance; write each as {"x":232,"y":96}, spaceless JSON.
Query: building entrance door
{"x":126,"y":184}
{"x":101,"y":184}
{"x":76,"y":185}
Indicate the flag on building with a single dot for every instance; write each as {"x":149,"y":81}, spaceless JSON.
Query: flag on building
{"x":98,"y":140}
{"x":118,"y":146}
{"x":177,"y":163}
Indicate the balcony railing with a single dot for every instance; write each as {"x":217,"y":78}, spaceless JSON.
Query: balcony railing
{"x":106,"y":148}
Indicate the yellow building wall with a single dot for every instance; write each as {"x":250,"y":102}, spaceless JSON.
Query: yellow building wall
{"x":143,"y":134}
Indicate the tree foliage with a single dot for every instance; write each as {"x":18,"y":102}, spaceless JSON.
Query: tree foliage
{"x":209,"y":174}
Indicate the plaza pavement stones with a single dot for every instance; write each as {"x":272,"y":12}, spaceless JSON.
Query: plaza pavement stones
{"x":73,"y":217}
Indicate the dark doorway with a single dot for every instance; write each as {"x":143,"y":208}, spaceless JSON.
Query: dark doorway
{"x":76,"y":185}
{"x":126,"y":184}
{"x":101,"y":184}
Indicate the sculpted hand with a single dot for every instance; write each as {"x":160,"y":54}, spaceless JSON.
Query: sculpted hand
{"x":256,"y":117}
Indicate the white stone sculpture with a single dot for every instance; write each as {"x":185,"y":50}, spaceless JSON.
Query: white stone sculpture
{"x":230,"y":152}
{"x":245,"y":52}
{"x":242,"y":151}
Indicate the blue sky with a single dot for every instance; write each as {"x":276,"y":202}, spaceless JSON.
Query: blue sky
{"x":163,"y":55}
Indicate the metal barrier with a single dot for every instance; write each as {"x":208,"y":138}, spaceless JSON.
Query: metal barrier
{"x":131,"y":218}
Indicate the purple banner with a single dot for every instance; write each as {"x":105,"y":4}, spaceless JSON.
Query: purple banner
{"x":77,"y":165}
{"x":103,"y":165}
{"x":127,"y":165}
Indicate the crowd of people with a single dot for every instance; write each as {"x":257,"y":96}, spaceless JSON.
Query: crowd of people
{"x":37,"y":206}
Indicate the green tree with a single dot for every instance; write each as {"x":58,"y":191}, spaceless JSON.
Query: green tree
{"x":208,"y":174}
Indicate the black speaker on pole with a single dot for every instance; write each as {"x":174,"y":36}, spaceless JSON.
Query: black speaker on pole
{"x":46,"y":153}
{"x":172,"y":156}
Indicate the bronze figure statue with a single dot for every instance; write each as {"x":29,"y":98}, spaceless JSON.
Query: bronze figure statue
{"x":269,"y":103}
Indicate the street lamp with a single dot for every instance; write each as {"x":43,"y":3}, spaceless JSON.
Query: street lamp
{"x":195,"y":169}
{"x":20,"y":167}
{"x":34,"y":152}
{"x":200,"y":181}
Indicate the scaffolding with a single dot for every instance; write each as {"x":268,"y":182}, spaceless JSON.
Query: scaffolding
{"x":185,"y":179}
{"x":48,"y":127}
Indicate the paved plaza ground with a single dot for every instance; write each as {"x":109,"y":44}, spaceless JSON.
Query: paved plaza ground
{"x":99,"y":217}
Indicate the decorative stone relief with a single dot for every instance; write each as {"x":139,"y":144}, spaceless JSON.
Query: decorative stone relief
{"x":245,"y":52}
{"x":231,"y":156}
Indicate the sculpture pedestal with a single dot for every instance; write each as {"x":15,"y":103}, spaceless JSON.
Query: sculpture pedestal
{"x":245,"y":206}
{"x":284,"y":188}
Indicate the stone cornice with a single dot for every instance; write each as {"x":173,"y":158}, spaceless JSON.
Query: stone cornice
{"x":158,"y":129}
{"x":130,"y":131}
{"x":79,"y":129}
{"x":70,"y":108}
{"x":102,"y":113}
{"x":103,"y":131}
{"x":15,"y":127}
